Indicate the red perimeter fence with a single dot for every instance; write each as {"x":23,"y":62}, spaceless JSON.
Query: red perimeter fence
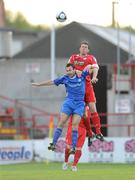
{"x":40,"y":125}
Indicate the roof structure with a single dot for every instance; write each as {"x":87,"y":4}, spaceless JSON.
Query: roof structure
{"x":103,"y":43}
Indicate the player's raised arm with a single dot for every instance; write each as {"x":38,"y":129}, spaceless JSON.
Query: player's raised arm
{"x":44,"y":83}
{"x":90,"y":68}
{"x":95,"y":69}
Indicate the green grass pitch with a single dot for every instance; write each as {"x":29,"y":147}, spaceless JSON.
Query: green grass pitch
{"x":53,"y":171}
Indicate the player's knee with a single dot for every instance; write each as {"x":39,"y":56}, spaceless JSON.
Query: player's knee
{"x":61,"y":124}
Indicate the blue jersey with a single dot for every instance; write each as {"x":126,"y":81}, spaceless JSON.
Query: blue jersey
{"x":75,"y":86}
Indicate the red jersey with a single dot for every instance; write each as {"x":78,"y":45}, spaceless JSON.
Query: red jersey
{"x":81,"y":62}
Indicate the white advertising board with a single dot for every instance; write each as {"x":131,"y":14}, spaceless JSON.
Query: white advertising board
{"x":12,"y":151}
{"x":112,"y":150}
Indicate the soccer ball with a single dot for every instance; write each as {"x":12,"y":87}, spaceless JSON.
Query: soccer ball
{"x":61,"y":17}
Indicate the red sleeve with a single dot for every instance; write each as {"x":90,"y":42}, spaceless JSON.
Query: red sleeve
{"x":71,"y":59}
{"x":94,"y":61}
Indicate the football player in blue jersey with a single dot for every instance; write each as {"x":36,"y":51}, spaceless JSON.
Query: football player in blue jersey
{"x":73,"y":103}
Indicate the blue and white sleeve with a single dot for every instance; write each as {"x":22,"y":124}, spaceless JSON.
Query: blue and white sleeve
{"x":59,"y":81}
{"x":85,"y":73}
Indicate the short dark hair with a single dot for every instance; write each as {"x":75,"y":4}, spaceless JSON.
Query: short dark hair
{"x":84,"y":42}
{"x":70,"y":64}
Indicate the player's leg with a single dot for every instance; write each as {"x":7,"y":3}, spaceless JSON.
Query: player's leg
{"x":87,"y":112}
{"x":63,"y":118}
{"x":77,"y":114}
{"x":86,"y":119}
{"x":86,"y":122}
{"x":75,"y":122}
{"x":91,"y":101}
{"x":66,"y":111}
{"x":87,"y":125}
{"x":78,"y":152}
{"x":67,"y":154}
{"x":58,"y":131}
{"x":96,"y":120}
{"x":68,"y":145}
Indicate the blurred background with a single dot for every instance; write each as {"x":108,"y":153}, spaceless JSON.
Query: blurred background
{"x":35,"y":47}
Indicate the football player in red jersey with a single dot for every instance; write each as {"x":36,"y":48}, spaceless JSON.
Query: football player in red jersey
{"x":81,"y":139}
{"x":80,"y":61}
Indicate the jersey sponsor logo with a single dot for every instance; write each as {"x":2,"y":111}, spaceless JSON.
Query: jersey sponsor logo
{"x":80,"y":63}
{"x":75,"y":85}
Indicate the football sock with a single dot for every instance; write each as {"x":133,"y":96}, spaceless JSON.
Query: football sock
{"x":57,"y":134}
{"x":77,"y":156}
{"x":67,"y":154}
{"x":96,"y":122}
{"x":74,"y":138}
{"x":88,"y":126}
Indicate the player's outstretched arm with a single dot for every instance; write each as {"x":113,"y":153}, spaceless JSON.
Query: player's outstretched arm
{"x":44,"y":83}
